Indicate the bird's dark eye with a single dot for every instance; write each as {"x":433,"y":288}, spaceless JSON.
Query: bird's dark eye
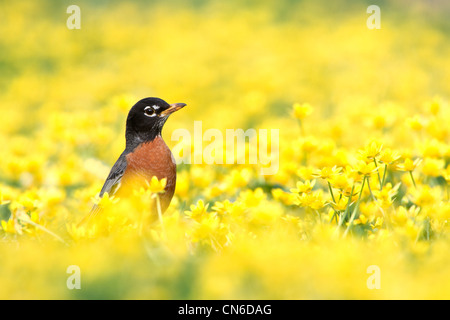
{"x":149,"y":111}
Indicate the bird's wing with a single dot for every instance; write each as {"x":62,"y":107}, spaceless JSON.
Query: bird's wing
{"x":111,"y":184}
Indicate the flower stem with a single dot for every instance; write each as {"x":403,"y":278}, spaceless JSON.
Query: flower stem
{"x":356,"y":208}
{"x":344,"y":215}
{"x":331,"y":191}
{"x":384,"y":177}
{"x":335,"y":215}
{"x":378,"y":171}
{"x":412,"y":178}
{"x":370,"y":189}
{"x":24,"y":218}
{"x":158,"y":207}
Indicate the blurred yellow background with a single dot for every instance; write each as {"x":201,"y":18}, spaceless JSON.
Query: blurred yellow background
{"x":372,"y":104}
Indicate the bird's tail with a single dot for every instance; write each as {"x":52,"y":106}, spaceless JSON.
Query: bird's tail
{"x":90,"y":216}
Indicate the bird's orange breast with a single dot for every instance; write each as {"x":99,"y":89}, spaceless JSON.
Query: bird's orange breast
{"x":150,"y":159}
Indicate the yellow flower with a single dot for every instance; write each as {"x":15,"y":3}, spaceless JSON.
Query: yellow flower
{"x":433,"y":167}
{"x":52,"y":196}
{"x":105,"y":201}
{"x":409,"y":165}
{"x":341,"y":204}
{"x":283,"y":196}
{"x":5,"y":195}
{"x":207,"y":230}
{"x":197,"y":211}
{"x":215,"y":191}
{"x":252,"y":198}
{"x":388,"y":156}
{"x":378,"y":223}
{"x":34,"y":217}
{"x":304,"y":187}
{"x":157,"y":186}
{"x":366,"y":169}
{"x":371,"y":151}
{"x":9,"y":226}
{"x":352,"y":173}
{"x":239,"y":178}
{"x":223,"y":208}
{"x":416,"y":123}
{"x":386,"y":195}
{"x":308,"y":144}
{"x":306,"y":173}
{"x":201,"y":176}
{"x":341,"y":181}
{"x":432,"y":149}
{"x":3,"y":200}
{"x":183,"y":184}
{"x":434,"y":106}
{"x":264,"y":215}
{"x":362,"y":219}
{"x":425,"y":195}
{"x":400,"y":217}
{"x":327,"y":172}
{"x":379,"y":121}
{"x":230,"y":210}
{"x":301,"y":111}
{"x":291,"y":219}
{"x":313,"y":200}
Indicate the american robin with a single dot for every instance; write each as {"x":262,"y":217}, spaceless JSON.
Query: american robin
{"x":146,"y":154}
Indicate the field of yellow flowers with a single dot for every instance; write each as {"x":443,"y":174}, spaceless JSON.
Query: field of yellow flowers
{"x":358,"y":209}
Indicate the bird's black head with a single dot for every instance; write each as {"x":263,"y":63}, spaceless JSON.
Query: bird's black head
{"x":146,"y":119}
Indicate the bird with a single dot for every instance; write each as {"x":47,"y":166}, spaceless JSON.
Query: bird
{"x":146,"y":155}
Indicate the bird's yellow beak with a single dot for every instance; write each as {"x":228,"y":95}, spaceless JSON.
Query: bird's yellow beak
{"x":173,"y":107}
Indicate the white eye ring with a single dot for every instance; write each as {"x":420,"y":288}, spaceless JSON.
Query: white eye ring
{"x":149,"y":111}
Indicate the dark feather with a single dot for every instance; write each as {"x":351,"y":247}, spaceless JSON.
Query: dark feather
{"x":115,"y":175}
{"x":111,"y":184}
